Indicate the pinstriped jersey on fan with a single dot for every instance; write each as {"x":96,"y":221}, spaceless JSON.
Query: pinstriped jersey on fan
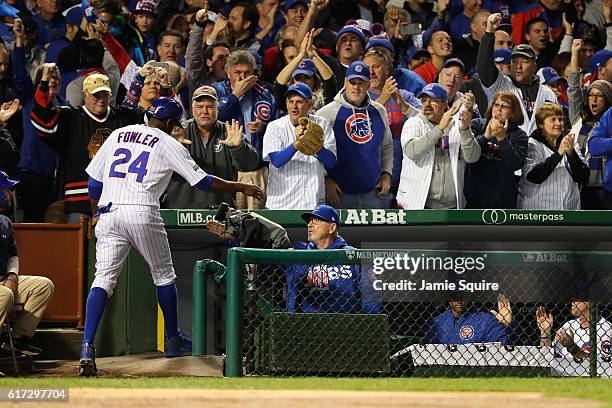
{"x":135,"y":165}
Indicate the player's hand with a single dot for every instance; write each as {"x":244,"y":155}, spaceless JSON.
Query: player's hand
{"x":384,"y":185}
{"x":504,"y":311}
{"x":234,"y":134}
{"x":545,"y":321}
{"x":49,"y":70}
{"x":493,"y":22}
{"x":218,"y":229}
{"x":252,"y":190}
{"x":179,"y":134}
{"x":8,"y":109}
{"x":255,"y":126}
{"x":332,"y":192}
{"x":448,"y":115}
{"x":13,"y":286}
{"x":565,"y":338}
{"x":242,"y":86}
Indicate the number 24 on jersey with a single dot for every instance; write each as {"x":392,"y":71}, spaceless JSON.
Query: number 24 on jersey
{"x":137,"y":166}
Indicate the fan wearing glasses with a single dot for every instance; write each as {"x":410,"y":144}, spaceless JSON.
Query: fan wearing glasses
{"x":490,"y":182}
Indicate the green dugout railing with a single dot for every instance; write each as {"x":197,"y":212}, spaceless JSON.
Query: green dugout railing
{"x":233,"y":277}
{"x":291,"y":218}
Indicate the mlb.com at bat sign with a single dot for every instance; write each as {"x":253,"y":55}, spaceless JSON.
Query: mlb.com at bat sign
{"x":191,"y":217}
{"x":486,"y":217}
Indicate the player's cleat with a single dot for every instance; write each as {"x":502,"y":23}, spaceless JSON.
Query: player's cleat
{"x":88,"y":360}
{"x":177,"y":346}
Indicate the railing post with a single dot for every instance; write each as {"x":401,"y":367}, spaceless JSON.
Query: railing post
{"x":198,"y":312}
{"x":233,"y":346}
{"x":593,"y":313}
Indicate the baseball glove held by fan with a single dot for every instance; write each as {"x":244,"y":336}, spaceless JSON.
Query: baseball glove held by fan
{"x":310,"y":138}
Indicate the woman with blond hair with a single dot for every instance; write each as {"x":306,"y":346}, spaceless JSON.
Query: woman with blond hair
{"x":554,"y":169}
{"x":491,"y":181}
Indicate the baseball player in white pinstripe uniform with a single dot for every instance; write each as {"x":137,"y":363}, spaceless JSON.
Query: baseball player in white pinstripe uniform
{"x":128,"y":175}
{"x":296,"y":180}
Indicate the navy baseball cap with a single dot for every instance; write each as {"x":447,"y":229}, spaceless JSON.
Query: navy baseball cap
{"x":358,"y":69}
{"x":435,"y":91}
{"x":166,"y":108}
{"x":289,"y":4}
{"x":503,"y":56}
{"x":301,"y":89}
{"x":75,"y":15}
{"x":549,"y":76}
{"x":454,"y":62}
{"x":323,"y":212}
{"x":380,"y":42}
{"x":306,"y":67}
{"x":6,"y":182}
{"x":353,"y":29}
{"x":415,"y":52}
{"x":600,"y":58}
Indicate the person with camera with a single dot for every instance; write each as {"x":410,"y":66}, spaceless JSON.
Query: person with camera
{"x":436,"y":147}
{"x":77,"y":133}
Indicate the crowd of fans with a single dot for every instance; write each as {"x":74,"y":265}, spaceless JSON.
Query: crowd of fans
{"x":426,"y":104}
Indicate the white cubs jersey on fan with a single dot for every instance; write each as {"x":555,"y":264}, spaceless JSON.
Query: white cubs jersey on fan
{"x":135,"y":164}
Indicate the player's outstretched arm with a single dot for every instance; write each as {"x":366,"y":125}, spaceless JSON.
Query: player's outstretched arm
{"x":212,"y":183}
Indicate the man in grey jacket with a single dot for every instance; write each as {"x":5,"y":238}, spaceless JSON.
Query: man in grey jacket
{"x":219,"y":149}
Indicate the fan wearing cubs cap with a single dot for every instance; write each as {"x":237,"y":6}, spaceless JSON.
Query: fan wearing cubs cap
{"x":522,"y":81}
{"x":76,"y":133}
{"x":300,"y":147}
{"x":436,"y":147}
{"x":218,"y":148}
{"x":362,"y":175}
{"x":129,"y":190}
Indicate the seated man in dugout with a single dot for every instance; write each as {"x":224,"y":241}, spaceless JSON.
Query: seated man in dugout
{"x":32,"y":293}
{"x":460,"y":324}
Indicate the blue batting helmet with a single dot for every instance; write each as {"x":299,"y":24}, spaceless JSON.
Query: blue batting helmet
{"x":164,"y":108}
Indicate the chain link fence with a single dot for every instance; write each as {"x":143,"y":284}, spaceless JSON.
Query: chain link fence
{"x":334,"y":313}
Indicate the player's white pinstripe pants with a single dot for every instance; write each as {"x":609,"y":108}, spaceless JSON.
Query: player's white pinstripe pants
{"x":124,"y":227}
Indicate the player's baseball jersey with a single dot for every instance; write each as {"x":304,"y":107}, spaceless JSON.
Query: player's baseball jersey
{"x":581,"y":337}
{"x":136,"y":163}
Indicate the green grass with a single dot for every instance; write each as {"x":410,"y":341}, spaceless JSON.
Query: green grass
{"x":596,"y":389}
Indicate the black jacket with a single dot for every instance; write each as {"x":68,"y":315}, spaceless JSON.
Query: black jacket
{"x":8,"y":246}
{"x":490,"y":182}
{"x":215,"y":159}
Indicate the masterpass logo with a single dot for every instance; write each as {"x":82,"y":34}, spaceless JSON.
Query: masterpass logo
{"x":490,"y":217}
{"x":498,"y":217}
